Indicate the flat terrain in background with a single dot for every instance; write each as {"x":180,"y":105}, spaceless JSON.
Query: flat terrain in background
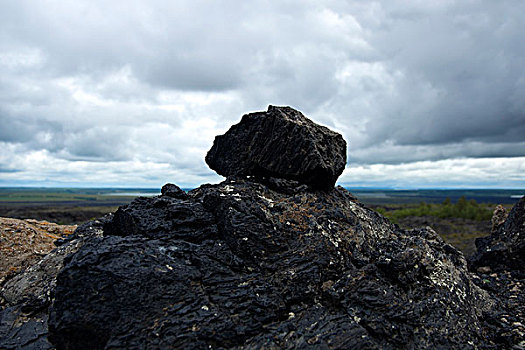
{"x":459,"y":216}
{"x":65,"y":205}
{"x":385,"y":197}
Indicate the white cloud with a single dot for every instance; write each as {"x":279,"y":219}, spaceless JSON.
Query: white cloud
{"x":460,"y":173}
{"x":127,"y":84}
{"x":52,"y":170}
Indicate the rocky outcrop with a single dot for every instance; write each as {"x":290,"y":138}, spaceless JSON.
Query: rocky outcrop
{"x":263,"y":269}
{"x":499,"y":216}
{"x":261,"y":260}
{"x":500,"y":270}
{"x":174,"y":191}
{"x":280,"y":143}
{"x":25,"y":298}
{"x":504,"y":249}
{"x":24,"y":242}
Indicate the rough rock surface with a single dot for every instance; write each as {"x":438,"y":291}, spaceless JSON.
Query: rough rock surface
{"x":280,"y":143}
{"x":500,"y":266}
{"x":172,"y":190}
{"x":504,"y":249}
{"x":264,"y":269}
{"x":499,"y":216}
{"x":506,"y":322}
{"x":24,"y":242}
{"x":25,"y":298}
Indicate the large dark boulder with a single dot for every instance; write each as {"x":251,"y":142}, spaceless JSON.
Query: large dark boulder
{"x":280,"y":143}
{"x":504,"y":249}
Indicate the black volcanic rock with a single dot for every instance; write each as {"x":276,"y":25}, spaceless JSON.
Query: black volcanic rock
{"x":500,"y":263}
{"x":504,"y":249}
{"x":26,"y":298}
{"x":162,"y":217}
{"x":280,"y":143}
{"x":264,"y":269}
{"x":174,"y":191}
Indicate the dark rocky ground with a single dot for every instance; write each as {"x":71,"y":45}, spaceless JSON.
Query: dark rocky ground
{"x":267,"y":262}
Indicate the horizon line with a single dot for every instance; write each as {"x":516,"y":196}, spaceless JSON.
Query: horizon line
{"x":389,"y":188}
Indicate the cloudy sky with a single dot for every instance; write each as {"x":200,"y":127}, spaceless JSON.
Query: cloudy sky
{"x":132,"y":93}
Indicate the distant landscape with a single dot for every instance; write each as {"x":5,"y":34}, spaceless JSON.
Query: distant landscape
{"x":65,"y":205}
{"x":76,"y":205}
{"x":458,"y":215}
{"x":389,"y":196}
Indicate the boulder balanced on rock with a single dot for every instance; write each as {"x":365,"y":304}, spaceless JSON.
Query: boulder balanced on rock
{"x":246,"y":265}
{"x":280,"y":143}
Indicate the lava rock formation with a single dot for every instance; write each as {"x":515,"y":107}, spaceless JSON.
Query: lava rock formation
{"x":268,"y":261}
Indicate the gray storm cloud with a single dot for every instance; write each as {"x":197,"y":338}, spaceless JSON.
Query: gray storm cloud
{"x":154,"y":81}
